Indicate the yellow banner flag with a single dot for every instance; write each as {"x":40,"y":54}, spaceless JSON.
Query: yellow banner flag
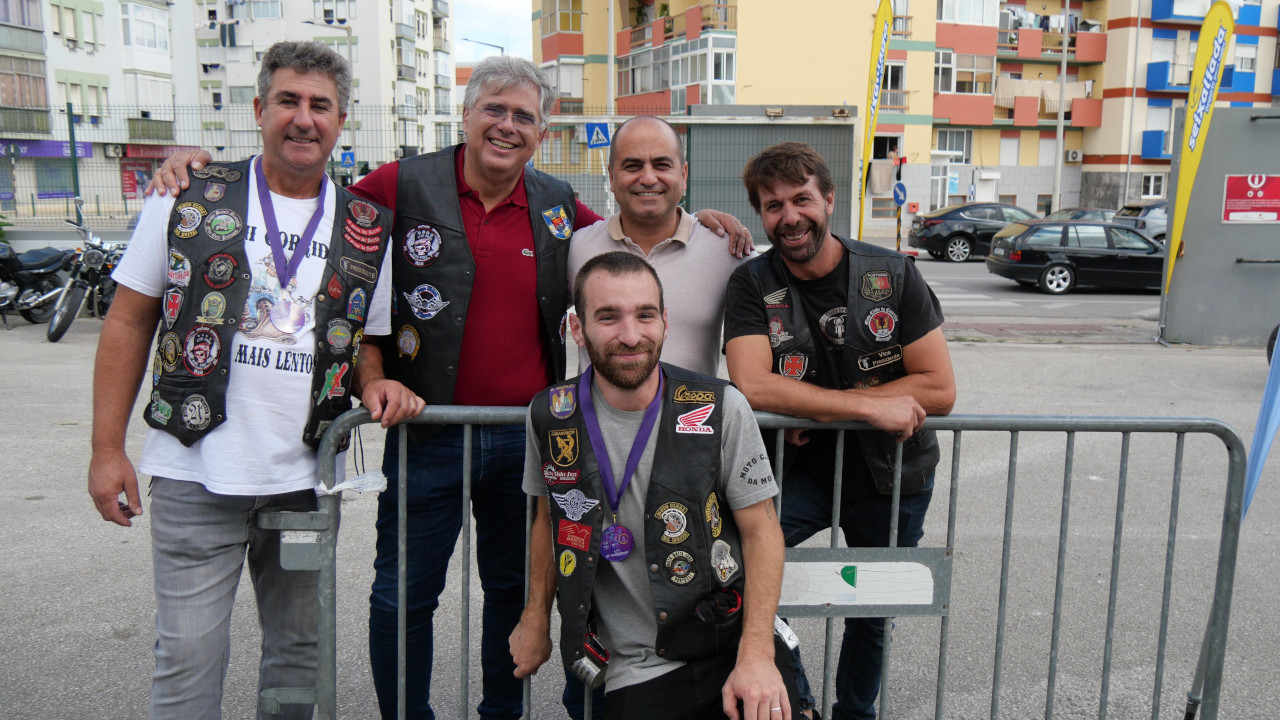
{"x":1211,"y":60}
{"x":879,"y":48}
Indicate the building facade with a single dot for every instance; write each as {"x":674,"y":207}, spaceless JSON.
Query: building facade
{"x":970,"y":94}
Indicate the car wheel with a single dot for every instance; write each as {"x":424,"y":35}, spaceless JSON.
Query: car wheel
{"x":959,"y":248}
{"x":935,"y":254}
{"x":1057,"y":279}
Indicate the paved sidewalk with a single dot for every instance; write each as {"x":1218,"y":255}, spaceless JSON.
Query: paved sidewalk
{"x":76,"y":603}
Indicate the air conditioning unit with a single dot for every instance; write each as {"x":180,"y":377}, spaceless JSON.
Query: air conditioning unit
{"x":1073,"y":156}
{"x":113,"y":151}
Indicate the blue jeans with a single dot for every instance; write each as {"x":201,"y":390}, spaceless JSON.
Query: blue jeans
{"x":864,"y":520}
{"x":199,"y":544}
{"x":435,"y":518}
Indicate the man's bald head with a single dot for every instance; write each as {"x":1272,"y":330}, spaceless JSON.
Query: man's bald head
{"x":647,"y":120}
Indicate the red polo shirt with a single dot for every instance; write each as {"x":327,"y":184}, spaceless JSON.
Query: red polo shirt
{"x":505,"y":358}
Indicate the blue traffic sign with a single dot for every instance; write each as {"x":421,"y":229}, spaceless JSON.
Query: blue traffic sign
{"x":900,"y":194}
{"x":597,"y":135}
{"x":349,"y":159}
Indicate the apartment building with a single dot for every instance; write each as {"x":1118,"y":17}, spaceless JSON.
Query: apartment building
{"x":970,"y":95}
{"x":146,"y":77}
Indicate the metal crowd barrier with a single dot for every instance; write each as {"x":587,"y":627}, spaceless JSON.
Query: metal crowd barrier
{"x":895,"y":582}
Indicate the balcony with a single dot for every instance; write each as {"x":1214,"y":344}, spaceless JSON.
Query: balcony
{"x":673,"y":27}
{"x":569,"y":106}
{"x":901,"y":29}
{"x":1030,"y":44}
{"x":1187,"y":12}
{"x":1275,"y":82}
{"x":443,"y":106}
{"x":641,"y":36}
{"x":1157,"y":145}
{"x":21,"y":39}
{"x":24,"y":120}
{"x":406,"y":72}
{"x":406,"y":111}
{"x":440,"y":44}
{"x":442,"y":81}
{"x":405,"y":32}
{"x":719,"y":16}
{"x":148,"y":129}
{"x":439,"y":8}
{"x":1165,"y":76}
{"x":893,"y":101}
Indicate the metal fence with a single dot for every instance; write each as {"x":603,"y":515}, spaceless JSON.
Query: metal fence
{"x":119,"y":148}
{"x":953,"y":581}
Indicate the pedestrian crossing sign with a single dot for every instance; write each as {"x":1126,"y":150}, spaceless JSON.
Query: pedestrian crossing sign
{"x":597,"y":135}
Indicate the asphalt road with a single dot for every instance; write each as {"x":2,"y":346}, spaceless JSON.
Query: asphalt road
{"x":76,"y":604}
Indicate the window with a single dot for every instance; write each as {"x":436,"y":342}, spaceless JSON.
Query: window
{"x":217,"y":101}
{"x":723,"y":66}
{"x":883,"y":208}
{"x":565,"y":77}
{"x":1012,"y":214}
{"x":882,"y":145}
{"x":1042,"y":204}
{"x":1246,"y":58}
{"x":893,"y":90}
{"x":336,"y":9}
{"x":1045,"y":236}
{"x":1125,"y":239}
{"x":1009,"y":199}
{"x":145,"y":26}
{"x":969,"y":12}
{"x":561,"y":16}
{"x":251,"y":9}
{"x":1093,"y":237}
{"x":22,"y":82}
{"x":1010,"y":148}
{"x":956,"y":141}
{"x":1153,"y":185}
{"x":1048,"y":151}
{"x":21,"y":12}
{"x":677,"y":100}
{"x":973,"y":74}
{"x":943,"y":71}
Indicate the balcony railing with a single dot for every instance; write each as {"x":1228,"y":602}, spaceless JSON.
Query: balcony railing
{"x":148,"y":129}
{"x":21,"y":39}
{"x":893,"y":101}
{"x":640,"y":36}
{"x":440,"y":8}
{"x":570,"y":106}
{"x":24,"y":120}
{"x":901,"y":27}
{"x":406,"y":72}
{"x":405,"y":31}
{"x":442,"y":81}
{"x":440,"y":43}
{"x":719,"y":16}
{"x":673,"y":27}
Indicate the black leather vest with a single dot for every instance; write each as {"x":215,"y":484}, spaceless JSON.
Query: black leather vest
{"x":432,"y":263}
{"x":208,"y":285}
{"x":871,"y":354}
{"x":686,"y":521}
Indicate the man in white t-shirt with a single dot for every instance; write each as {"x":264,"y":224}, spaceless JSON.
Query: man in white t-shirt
{"x":263,"y":278}
{"x":648,"y":176}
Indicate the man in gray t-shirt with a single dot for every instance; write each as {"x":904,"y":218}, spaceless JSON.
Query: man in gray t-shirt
{"x":629,"y":405}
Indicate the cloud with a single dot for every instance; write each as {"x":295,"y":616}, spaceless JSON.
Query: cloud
{"x":500,"y":22}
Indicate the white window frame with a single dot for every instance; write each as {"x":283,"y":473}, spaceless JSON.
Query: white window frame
{"x":1155,"y":186}
{"x":965,"y":137}
{"x":1246,"y":58}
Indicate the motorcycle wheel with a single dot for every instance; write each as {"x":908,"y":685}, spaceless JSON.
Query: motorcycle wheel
{"x":43,"y":313}
{"x":68,"y":306}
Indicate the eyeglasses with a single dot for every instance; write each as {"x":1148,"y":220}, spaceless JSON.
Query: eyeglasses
{"x":497,"y":114}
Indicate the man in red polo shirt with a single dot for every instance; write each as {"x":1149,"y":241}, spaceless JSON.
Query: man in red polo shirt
{"x":479,"y":263}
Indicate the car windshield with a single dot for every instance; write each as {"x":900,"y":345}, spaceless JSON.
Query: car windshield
{"x":1015,"y":228}
{"x":1061,"y":215}
{"x":1129,"y":211}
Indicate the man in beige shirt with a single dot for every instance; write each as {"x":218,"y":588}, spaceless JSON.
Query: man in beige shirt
{"x":648,"y":176}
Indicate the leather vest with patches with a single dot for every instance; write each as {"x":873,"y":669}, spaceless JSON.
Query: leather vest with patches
{"x":433,"y":265}
{"x":686,"y":524}
{"x":871,"y":354}
{"x":208,"y":285}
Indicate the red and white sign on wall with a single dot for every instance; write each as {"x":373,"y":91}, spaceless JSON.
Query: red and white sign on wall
{"x":1251,"y":199}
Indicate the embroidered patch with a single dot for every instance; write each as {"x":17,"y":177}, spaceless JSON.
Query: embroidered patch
{"x":563,"y":402}
{"x":356,"y":305}
{"x":574,"y":503}
{"x":363,"y":271}
{"x":190,"y":215}
{"x":711,"y":511}
{"x":564,"y":446}
{"x":793,"y":365}
{"x":881,"y":321}
{"x":212,"y":308}
{"x":722,"y":560}
{"x":221,"y":271}
{"x":832,"y":324}
{"x":558,"y":222}
{"x":161,"y":411}
{"x":425,"y":301}
{"x":407,"y":342}
{"x":876,"y":285}
{"x":217,"y":171}
{"x":680,"y":567}
{"x":170,"y":351}
{"x":555,"y":476}
{"x":339,"y":335}
{"x":777,"y":332}
{"x":213,"y":192}
{"x":200,"y":350}
{"x":773,"y":300}
{"x":196,"y":413}
{"x":692,"y":421}
{"x":335,"y":287}
{"x":422,"y":246}
{"x":568,"y":561}
{"x":179,"y":268}
{"x":675,"y":520}
{"x":365,"y":214}
{"x":575,"y":535}
{"x":223,"y":225}
{"x":880,"y":358}
{"x":332,"y":387}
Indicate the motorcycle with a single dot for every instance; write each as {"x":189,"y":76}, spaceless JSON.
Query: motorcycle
{"x":29,"y":282}
{"x":89,"y":282}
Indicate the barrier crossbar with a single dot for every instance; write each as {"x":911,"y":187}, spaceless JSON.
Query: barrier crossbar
{"x":899,"y":582}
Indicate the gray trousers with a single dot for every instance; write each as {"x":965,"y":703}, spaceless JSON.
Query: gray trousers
{"x":199,"y":542}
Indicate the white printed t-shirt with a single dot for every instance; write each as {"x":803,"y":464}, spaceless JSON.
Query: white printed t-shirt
{"x":258,"y":450}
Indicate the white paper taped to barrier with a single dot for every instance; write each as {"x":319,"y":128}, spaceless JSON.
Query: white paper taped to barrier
{"x":865,"y":583}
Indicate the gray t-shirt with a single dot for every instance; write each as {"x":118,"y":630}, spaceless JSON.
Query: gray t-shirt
{"x":620,"y":595}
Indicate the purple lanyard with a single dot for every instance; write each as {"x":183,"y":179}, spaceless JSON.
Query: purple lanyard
{"x":285,"y":270}
{"x":614,"y":496}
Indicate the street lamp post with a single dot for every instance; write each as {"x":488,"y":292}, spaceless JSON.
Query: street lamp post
{"x":501,"y":50}
{"x":345,"y":26}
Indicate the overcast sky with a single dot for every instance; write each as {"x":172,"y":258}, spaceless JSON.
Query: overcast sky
{"x":501,"y":22}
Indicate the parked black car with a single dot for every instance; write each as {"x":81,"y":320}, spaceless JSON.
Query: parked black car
{"x":1150,"y":217}
{"x":958,"y":232}
{"x":1082,"y":213}
{"x":1059,"y":256}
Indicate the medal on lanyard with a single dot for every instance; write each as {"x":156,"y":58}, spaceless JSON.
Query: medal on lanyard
{"x":617,"y":542}
{"x":285,"y":269}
